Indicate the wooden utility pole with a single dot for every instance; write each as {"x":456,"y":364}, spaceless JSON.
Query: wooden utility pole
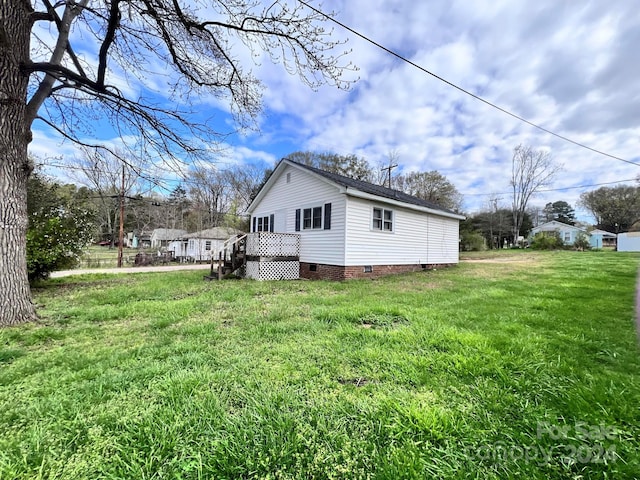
{"x":389,"y":168}
{"x":121,"y":234}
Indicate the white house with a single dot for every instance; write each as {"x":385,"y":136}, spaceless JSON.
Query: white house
{"x":161,"y":237}
{"x":568,"y":233}
{"x":199,"y":246}
{"x":349,"y":228}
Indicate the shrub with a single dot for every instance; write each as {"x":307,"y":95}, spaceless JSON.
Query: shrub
{"x":58,"y":230}
{"x":472,"y":242}
{"x":547,"y":241}
{"x":582,"y":242}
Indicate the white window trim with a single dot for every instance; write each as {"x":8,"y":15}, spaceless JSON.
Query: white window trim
{"x":312,"y":228}
{"x":382,"y":230}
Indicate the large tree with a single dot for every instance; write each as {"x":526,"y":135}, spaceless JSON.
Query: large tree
{"x":560,"y":211}
{"x":91,"y":61}
{"x":433,"y":187}
{"x":531,"y":170}
{"x":615,"y":209}
{"x":108,"y":177}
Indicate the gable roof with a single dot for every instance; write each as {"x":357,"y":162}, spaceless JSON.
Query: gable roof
{"x":352,"y":186}
{"x":556,"y":225}
{"x":216,"y":233}
{"x":604,"y":233}
{"x":167,"y":233}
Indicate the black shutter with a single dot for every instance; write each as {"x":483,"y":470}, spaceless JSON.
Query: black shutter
{"x":271,"y":219}
{"x":255,"y":221}
{"x":327,"y":216}
{"x":298,"y":220}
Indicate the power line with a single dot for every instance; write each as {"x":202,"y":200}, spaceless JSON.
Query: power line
{"x":555,"y":189}
{"x":467,"y":92}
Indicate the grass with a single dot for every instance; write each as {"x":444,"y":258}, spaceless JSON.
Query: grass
{"x":494,"y":369}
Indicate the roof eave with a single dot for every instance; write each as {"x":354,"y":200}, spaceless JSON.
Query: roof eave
{"x":368,"y":196}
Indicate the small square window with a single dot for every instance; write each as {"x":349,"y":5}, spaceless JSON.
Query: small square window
{"x":382,"y":219}
{"x":313,"y":267}
{"x":368,"y":269}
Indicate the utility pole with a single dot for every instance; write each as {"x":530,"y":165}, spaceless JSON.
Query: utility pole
{"x":121,"y":234}
{"x":389,"y":168}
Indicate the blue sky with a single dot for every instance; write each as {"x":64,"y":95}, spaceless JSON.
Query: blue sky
{"x":571,"y":67}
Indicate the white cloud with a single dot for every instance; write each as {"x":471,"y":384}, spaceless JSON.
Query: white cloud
{"x":570,"y":67}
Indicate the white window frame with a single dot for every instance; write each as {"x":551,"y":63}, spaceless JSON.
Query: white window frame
{"x":262,"y":223}
{"x":379,"y":223}
{"x":313,"y":225}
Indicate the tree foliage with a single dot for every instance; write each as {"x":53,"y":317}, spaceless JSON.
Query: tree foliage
{"x":75,"y":65}
{"x":615,"y":209}
{"x":497,"y":226}
{"x":346,"y":165}
{"x":559,"y":211}
{"x":582,"y":242}
{"x":547,"y":241}
{"x":433,"y":187}
{"x":59,"y":228}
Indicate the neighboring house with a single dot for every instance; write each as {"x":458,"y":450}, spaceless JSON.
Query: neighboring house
{"x":629,"y":242}
{"x":568,"y":233}
{"x":349,"y":228}
{"x":161,"y":237}
{"x":200,"y":246}
{"x":602,"y":238}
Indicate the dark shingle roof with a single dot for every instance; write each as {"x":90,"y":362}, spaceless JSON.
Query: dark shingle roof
{"x":372,"y":189}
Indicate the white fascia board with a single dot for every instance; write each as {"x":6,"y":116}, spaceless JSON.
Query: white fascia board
{"x":367,"y":196}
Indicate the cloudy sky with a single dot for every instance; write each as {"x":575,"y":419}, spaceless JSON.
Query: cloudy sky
{"x":571,"y":67}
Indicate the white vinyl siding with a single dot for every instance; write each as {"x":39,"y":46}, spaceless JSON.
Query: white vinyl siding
{"x":306,"y":191}
{"x":418,"y":238}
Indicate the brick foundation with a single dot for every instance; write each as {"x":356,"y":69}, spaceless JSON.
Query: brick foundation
{"x":337,"y":272}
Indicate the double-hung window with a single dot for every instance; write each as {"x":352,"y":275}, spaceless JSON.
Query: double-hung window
{"x":263,"y":224}
{"x":314,"y":218}
{"x":382,"y":219}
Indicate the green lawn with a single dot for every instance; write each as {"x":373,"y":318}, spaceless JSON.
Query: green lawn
{"x":522,"y":366}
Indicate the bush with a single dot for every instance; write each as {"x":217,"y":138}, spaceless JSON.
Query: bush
{"x":582,"y":242}
{"x":58,"y":230}
{"x":547,"y":241}
{"x":472,"y":242}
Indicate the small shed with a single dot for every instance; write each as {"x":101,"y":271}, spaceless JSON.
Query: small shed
{"x":602,"y":239}
{"x":629,"y":242}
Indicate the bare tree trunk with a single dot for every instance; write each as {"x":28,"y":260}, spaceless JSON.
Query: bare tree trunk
{"x":15,"y":296}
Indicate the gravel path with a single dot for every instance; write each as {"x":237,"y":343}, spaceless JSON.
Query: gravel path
{"x":171,"y":268}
